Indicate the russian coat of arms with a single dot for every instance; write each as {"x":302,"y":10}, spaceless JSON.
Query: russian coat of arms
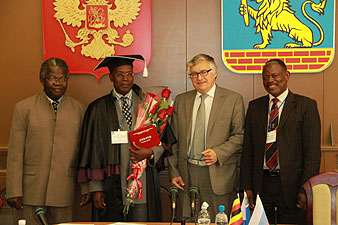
{"x":89,"y":30}
{"x":301,"y":33}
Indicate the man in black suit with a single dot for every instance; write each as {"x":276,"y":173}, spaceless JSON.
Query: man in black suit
{"x":281,"y":146}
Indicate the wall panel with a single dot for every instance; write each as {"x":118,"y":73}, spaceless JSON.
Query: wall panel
{"x":204,"y":36}
{"x":181,"y":29}
{"x":330,"y":95}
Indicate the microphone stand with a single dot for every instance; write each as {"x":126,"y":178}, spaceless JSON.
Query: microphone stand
{"x":193,"y":192}
{"x":276,"y":215}
{"x":173,"y":216}
{"x":184,"y":219}
{"x":173,"y":192}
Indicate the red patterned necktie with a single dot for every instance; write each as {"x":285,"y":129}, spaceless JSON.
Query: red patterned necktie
{"x":271,"y":153}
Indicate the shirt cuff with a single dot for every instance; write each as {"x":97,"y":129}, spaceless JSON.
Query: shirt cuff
{"x":95,"y":185}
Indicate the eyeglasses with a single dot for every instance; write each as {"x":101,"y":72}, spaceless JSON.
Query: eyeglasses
{"x":122,"y":75}
{"x":54,"y":79}
{"x":203,"y":73}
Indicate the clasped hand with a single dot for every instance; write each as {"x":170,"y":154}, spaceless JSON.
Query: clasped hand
{"x":140,"y":153}
{"x":210,"y":156}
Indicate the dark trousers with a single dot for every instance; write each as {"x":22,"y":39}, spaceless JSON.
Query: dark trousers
{"x":275,"y":205}
{"x":138,"y":213}
{"x":113,"y":212}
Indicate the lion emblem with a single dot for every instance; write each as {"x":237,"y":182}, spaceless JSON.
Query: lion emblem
{"x":276,"y":15}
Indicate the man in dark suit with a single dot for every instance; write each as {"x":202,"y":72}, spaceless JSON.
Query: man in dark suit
{"x":281,"y":146}
{"x":209,"y":165}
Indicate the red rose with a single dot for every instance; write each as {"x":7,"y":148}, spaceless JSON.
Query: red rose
{"x":153,"y":110}
{"x":170,"y":110}
{"x":162,"y":114}
{"x":166,"y":93}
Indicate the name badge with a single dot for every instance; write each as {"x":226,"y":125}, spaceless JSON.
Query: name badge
{"x":119,"y":137}
{"x":271,"y":136}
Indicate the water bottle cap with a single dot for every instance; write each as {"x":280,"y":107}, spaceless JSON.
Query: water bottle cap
{"x":22,"y":222}
{"x":205,"y":205}
{"x":221,"y":208}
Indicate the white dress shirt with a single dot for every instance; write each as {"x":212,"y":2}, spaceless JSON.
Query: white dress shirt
{"x":208,"y":104}
{"x":280,"y":105}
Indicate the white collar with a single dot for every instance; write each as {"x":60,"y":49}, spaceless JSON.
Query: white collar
{"x":51,"y":100}
{"x":281,"y":97}
{"x":119,"y":96}
{"x":210,"y":93}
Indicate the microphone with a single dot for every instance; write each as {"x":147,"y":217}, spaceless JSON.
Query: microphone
{"x":173,"y":192}
{"x":193,"y":191}
{"x":40,"y":213}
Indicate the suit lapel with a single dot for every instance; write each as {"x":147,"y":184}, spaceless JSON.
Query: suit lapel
{"x":217,"y":103}
{"x":263,"y":112}
{"x":189,"y":104}
{"x":288,"y":107}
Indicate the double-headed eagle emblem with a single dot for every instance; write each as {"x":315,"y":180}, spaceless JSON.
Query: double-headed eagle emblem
{"x":97,"y":37}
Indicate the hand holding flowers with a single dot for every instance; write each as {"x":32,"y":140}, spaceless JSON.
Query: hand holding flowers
{"x":154,"y":111}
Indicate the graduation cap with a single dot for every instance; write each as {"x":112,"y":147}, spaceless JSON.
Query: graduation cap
{"x":112,"y":62}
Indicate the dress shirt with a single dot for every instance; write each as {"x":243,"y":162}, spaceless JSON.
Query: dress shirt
{"x":208,"y":104}
{"x":280,"y":104}
{"x":128,"y":96}
{"x":51,"y":101}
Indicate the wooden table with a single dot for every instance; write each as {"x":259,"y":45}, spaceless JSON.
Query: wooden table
{"x":130,"y":223}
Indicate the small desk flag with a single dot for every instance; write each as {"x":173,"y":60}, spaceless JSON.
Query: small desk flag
{"x":245,"y":210}
{"x":236,"y":213}
{"x":258,"y":215}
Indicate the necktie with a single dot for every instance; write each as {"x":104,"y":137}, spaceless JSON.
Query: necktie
{"x":198,"y":144}
{"x":271,"y":153}
{"x":126,"y":111}
{"x":55,"y":105}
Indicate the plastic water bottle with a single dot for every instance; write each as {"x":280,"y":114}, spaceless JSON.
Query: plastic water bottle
{"x":221,"y":218}
{"x":203,"y":216}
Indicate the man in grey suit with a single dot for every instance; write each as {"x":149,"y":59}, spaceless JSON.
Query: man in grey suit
{"x":205,"y":155}
{"x":281,"y":147}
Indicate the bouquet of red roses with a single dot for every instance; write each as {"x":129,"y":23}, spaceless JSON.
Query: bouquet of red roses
{"x":152,"y":113}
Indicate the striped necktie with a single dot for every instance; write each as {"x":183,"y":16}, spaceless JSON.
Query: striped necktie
{"x":271,"y":153}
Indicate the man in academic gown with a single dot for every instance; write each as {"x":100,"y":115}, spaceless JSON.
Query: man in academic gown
{"x":105,"y":164}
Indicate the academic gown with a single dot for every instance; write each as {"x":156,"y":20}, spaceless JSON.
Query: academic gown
{"x":100,"y":160}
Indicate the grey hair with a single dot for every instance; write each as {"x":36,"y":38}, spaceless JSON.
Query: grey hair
{"x":50,"y":63}
{"x":202,"y":57}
